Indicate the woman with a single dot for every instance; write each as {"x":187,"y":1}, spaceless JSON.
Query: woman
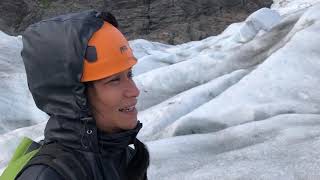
{"x":79,"y":72}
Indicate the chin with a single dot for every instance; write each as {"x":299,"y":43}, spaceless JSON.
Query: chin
{"x":134,"y":123}
{"x":131,"y":124}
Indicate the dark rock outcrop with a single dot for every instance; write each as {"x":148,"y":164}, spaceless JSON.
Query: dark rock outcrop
{"x":168,"y":21}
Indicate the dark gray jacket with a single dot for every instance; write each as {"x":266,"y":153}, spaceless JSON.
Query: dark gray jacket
{"x":53,"y":53}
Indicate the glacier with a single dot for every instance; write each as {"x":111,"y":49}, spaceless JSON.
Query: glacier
{"x":244,"y":104}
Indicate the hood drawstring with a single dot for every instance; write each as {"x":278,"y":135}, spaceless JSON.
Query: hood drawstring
{"x":88,"y":132}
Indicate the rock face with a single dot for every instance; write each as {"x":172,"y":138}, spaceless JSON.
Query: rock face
{"x":168,"y":21}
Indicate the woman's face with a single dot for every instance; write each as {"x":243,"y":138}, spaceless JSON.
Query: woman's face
{"x":113,"y":101}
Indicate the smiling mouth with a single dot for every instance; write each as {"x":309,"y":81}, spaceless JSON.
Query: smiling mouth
{"x":127,"y":109}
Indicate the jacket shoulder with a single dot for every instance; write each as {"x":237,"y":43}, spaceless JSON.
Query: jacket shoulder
{"x":40,"y":172}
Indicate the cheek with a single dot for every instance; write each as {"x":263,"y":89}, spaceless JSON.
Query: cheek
{"x":110,"y":99}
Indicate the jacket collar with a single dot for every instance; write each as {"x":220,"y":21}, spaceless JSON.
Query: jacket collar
{"x":117,"y":142}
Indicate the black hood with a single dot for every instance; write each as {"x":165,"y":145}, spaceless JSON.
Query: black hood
{"x":53,"y":54}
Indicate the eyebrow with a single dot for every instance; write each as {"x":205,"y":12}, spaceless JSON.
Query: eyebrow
{"x":111,"y":77}
{"x":115,"y":75}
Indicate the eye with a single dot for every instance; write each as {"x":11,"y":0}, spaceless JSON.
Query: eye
{"x":130,"y":74}
{"x":113,"y":80}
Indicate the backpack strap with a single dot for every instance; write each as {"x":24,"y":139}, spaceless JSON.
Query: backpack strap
{"x":26,"y":149}
{"x":71,"y":165}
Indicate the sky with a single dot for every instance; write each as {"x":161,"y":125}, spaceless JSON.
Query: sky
{"x":244,"y":104}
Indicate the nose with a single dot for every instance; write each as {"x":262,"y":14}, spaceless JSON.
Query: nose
{"x":131,"y":89}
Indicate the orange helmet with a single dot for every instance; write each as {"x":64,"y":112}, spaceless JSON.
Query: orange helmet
{"x":108,"y":53}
